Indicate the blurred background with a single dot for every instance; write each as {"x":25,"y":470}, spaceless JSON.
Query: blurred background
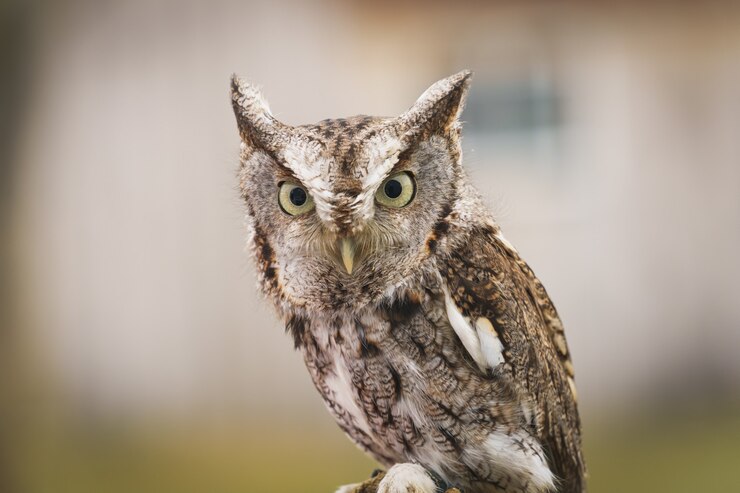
{"x":135,"y":352}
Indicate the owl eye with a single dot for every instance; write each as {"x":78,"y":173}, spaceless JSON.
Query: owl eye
{"x":294,"y":199}
{"x":397,"y":190}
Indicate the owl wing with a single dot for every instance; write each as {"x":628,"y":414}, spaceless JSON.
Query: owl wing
{"x":503,"y":314}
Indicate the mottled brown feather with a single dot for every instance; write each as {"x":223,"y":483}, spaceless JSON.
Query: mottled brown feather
{"x":488,"y":278}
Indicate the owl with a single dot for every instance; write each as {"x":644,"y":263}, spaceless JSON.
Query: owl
{"x":432,"y":343}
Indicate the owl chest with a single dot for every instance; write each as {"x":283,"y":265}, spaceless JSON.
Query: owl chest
{"x":402,"y":387}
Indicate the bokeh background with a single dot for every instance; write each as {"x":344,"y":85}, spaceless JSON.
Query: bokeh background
{"x":135,"y":352}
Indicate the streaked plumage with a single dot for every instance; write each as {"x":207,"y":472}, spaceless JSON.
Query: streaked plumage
{"x":429,"y":338}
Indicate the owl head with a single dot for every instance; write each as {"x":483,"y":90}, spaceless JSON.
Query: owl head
{"x":344,"y":212}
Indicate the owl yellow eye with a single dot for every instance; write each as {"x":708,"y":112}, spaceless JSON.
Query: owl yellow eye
{"x":397,"y":190}
{"x":294,"y":199}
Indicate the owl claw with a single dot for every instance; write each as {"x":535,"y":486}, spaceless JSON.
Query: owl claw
{"x":367,"y":486}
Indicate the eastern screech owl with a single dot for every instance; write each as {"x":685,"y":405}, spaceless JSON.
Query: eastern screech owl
{"x":433,"y":344}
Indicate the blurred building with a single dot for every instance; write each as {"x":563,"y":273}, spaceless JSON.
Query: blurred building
{"x":605,"y":139}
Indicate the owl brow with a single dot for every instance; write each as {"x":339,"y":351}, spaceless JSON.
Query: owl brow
{"x":282,"y":164}
{"x":404,"y":158}
{"x":286,"y":174}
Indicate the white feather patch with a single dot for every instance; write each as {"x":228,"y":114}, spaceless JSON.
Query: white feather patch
{"x":382,"y":156}
{"x":506,"y":452}
{"x":461,"y":325}
{"x":340,"y":383}
{"x":490,"y":344}
{"x":481,"y":341}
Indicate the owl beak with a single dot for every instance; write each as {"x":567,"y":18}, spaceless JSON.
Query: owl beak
{"x":347,"y":250}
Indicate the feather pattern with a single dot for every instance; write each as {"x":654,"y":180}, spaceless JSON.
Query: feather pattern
{"x":491,"y":281}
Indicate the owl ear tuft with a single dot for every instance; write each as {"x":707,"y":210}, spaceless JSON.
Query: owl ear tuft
{"x":257,"y":127}
{"x":438,"y":109}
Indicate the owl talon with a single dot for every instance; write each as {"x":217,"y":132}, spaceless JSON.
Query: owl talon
{"x":368,"y":486}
